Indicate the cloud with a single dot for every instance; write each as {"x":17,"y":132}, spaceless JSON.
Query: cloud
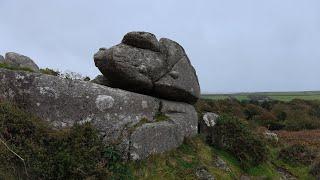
{"x":234,"y":45}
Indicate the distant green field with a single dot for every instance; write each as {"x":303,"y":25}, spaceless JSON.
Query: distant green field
{"x":281,"y":96}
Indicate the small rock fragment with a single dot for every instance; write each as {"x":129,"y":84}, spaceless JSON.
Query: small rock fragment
{"x":203,"y":174}
{"x":221,"y":164}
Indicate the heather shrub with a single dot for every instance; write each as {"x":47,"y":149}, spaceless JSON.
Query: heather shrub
{"x":296,"y":154}
{"x":74,"y":153}
{"x":274,"y":115}
{"x":236,"y":137}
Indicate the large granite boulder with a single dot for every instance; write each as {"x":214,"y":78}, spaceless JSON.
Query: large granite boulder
{"x":145,"y":65}
{"x":20,"y":61}
{"x":1,"y":59}
{"x":125,"y":119}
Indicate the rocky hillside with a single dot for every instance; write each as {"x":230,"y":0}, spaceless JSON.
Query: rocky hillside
{"x":137,"y":120}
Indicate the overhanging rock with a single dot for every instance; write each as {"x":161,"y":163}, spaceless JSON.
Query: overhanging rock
{"x":123,"y":118}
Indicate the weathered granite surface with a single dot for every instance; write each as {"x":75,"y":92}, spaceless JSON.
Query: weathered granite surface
{"x":145,"y":65}
{"x":125,"y":119}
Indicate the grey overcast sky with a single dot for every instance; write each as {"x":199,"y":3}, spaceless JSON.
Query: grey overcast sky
{"x":235,"y":45}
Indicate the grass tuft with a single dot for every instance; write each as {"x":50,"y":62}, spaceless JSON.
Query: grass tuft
{"x":10,"y":67}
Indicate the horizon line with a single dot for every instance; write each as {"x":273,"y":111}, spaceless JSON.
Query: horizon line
{"x":254,"y":92}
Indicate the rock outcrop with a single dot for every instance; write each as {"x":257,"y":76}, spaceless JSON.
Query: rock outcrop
{"x":125,"y":119}
{"x":207,"y":122}
{"x":20,"y":61}
{"x":145,"y":65}
{"x":137,"y":124}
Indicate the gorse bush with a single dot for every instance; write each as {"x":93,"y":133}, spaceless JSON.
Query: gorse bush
{"x":236,"y":137}
{"x":74,"y":153}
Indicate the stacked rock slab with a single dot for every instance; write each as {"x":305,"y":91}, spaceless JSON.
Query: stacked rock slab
{"x":141,"y":63}
{"x":125,"y":119}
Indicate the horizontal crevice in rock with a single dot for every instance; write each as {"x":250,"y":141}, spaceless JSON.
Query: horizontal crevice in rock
{"x":113,"y":112}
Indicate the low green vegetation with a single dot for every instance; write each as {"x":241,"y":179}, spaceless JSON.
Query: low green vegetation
{"x":195,"y":154}
{"x":240,"y":118}
{"x":182,"y":163}
{"x":297,"y":154}
{"x":30,"y":149}
{"x":245,"y":152}
{"x":10,"y":67}
{"x":235,"y":136}
{"x":49,"y":71}
{"x":315,"y":169}
{"x":298,"y":171}
{"x":160,"y":117}
{"x":274,"y":115}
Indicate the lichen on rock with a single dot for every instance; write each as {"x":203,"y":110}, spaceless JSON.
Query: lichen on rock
{"x":104,"y":102}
